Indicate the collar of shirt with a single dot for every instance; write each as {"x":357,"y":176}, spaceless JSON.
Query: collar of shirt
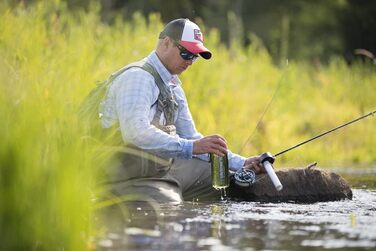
{"x":166,"y":76}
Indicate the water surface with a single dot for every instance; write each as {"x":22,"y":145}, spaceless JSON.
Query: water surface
{"x":229,"y":225}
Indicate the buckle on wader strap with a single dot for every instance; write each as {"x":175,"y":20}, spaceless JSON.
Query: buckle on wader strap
{"x":169,"y":129}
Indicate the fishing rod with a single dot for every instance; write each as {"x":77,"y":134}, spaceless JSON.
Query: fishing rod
{"x":267,"y":159}
{"x":324,"y":133}
{"x":247,"y":177}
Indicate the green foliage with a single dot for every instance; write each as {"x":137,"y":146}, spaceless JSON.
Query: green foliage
{"x":51,"y":59}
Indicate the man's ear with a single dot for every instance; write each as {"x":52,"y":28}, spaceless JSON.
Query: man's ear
{"x":166,"y":42}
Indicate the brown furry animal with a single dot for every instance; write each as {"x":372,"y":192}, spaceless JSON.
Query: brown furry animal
{"x":304,"y":185}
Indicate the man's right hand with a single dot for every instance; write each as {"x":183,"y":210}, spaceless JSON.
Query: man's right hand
{"x":210,"y":144}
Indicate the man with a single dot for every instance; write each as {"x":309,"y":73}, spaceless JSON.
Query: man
{"x":167,"y":158}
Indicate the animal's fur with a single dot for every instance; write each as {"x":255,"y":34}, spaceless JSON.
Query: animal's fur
{"x":305,"y":185}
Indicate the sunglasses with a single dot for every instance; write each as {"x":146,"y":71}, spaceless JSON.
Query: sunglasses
{"x":184,"y":53}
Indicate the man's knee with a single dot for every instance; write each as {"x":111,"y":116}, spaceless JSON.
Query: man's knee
{"x":192,"y":166}
{"x":194,"y":177}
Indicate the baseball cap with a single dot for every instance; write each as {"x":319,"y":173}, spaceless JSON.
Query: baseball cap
{"x":188,"y":35}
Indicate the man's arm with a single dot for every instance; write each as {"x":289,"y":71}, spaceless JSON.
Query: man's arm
{"x":186,"y":128}
{"x":135,"y":92}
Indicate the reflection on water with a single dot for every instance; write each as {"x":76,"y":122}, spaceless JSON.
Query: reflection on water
{"x":228,"y":225}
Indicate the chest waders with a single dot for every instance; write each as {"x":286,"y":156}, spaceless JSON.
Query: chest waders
{"x":141,"y":163}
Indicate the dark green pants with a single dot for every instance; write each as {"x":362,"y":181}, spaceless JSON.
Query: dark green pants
{"x":148,"y":178}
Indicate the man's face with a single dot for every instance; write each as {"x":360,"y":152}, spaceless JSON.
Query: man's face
{"x":174,"y":61}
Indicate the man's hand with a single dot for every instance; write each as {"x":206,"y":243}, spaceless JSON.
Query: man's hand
{"x":210,"y":144}
{"x":253,"y":163}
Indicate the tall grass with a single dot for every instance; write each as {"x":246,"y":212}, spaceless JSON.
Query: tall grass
{"x":50,"y":59}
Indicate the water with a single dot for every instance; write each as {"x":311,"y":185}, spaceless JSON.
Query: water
{"x":223,"y":194}
{"x":228,"y":225}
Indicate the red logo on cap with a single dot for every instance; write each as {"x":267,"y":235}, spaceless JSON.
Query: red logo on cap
{"x":198,"y":35}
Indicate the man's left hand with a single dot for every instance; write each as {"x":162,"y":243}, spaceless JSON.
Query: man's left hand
{"x":254,"y":163}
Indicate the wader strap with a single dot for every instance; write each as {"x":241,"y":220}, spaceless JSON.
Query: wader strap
{"x":166,"y":102}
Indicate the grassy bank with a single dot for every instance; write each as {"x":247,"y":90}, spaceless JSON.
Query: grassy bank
{"x":50,"y":59}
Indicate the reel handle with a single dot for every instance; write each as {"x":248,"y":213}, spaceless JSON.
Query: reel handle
{"x":267,"y":160}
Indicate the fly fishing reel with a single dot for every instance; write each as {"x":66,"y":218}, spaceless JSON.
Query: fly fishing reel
{"x":244,"y":177}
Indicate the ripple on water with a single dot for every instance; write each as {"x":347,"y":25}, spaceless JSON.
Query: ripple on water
{"x":348,"y":224}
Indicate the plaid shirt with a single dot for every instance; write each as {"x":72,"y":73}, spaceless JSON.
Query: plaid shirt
{"x":131,"y":103}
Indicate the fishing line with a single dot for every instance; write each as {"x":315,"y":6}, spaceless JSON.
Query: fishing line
{"x":266,"y":107}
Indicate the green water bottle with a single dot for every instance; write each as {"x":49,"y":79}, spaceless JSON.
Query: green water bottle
{"x":219,"y":170}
